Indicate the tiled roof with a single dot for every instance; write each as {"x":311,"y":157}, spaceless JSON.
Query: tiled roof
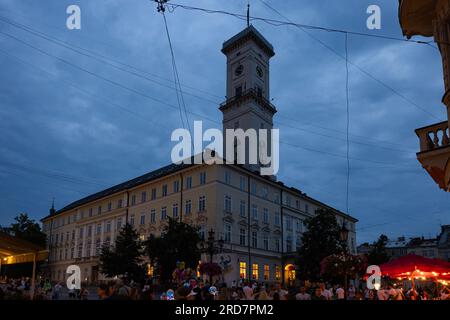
{"x":172,"y":168}
{"x":161,"y":172}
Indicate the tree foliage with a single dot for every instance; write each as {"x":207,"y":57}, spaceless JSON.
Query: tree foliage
{"x":378,"y":254}
{"x":26,"y":229}
{"x":320,"y":240}
{"x":178,"y":242}
{"x":124,"y":258}
{"x":341,"y":264}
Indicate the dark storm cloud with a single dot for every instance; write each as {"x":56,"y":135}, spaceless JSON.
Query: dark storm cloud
{"x":58,"y":141}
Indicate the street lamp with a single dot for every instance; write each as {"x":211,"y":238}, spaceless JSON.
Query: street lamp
{"x":211,"y":247}
{"x":343,"y":235}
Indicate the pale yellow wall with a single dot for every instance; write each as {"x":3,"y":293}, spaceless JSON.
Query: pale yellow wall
{"x":214,"y":217}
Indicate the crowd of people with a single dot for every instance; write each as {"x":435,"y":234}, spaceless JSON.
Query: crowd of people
{"x":199,"y":290}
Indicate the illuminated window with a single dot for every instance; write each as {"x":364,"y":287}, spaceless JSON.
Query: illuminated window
{"x":150,"y":270}
{"x":243,"y":270}
{"x":198,"y":269}
{"x":277,"y":273}
{"x":266,"y":272}
{"x":255,"y":275}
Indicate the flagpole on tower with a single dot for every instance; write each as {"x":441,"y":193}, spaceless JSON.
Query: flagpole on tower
{"x":248,"y":13}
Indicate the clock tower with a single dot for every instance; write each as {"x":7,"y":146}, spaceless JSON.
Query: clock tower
{"x":247,"y":104}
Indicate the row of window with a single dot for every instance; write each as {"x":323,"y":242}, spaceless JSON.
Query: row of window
{"x":264,"y":192}
{"x":59,"y":238}
{"x":65,"y":254}
{"x":256,"y":272}
{"x":143,"y":198}
{"x":255,"y":239}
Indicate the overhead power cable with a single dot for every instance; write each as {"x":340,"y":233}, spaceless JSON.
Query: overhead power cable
{"x":311,"y":27}
{"x":178,"y":91}
{"x":106,"y":60}
{"x":348,"y":119}
{"x":170,"y":105}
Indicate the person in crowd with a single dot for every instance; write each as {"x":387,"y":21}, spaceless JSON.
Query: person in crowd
{"x":351,"y":292}
{"x":412,"y":294}
{"x":248,"y":291}
{"x":445,"y":294}
{"x":262,"y":294}
{"x":326,"y":292}
{"x":103,"y":291}
{"x":56,"y":291}
{"x":84,"y":293}
{"x":340,"y":293}
{"x":47,"y":286}
{"x":303,"y":295}
{"x":281,"y":291}
{"x":318,"y":294}
{"x":382,"y":294}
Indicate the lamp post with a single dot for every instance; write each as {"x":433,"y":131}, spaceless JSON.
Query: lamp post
{"x":211,"y":247}
{"x":343,"y":236}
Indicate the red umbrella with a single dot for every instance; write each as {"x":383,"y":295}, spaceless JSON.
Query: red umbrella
{"x":415,"y":266}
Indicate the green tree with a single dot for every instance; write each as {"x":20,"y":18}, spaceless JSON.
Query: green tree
{"x":26,"y":229}
{"x":378,"y":254}
{"x":123,"y":259}
{"x":178,"y":242}
{"x":319,"y":241}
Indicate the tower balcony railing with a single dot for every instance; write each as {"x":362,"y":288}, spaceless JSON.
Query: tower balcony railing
{"x":434,"y":152}
{"x":433,"y":137}
{"x":246,"y":95}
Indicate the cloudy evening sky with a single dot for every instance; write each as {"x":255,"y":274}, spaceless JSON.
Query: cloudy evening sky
{"x":70,"y":127}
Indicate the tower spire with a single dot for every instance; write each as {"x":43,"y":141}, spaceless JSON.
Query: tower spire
{"x":248,"y":13}
{"x":52,"y":210}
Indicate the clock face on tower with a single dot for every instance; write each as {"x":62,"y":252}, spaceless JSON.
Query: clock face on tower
{"x":239,"y":70}
{"x":259,"y":71}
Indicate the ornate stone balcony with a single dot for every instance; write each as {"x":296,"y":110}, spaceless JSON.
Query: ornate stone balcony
{"x":434,"y":152}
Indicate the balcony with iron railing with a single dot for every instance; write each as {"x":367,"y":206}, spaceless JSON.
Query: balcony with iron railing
{"x":249,"y":94}
{"x":434,"y":152}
